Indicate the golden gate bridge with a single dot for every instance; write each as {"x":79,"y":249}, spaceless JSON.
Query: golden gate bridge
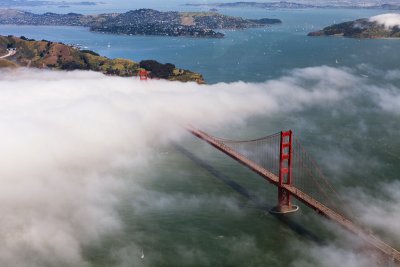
{"x":281,"y":160}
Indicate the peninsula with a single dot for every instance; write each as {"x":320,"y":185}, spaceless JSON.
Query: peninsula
{"x":361,"y":28}
{"x":303,"y":5}
{"x":140,"y":22}
{"x":23,"y":52}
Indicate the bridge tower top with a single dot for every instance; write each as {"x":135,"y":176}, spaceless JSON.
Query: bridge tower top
{"x":143,"y":74}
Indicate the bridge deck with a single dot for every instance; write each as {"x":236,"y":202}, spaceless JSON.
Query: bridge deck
{"x":301,"y":196}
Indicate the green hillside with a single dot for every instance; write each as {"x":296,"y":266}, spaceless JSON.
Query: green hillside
{"x":52,"y":55}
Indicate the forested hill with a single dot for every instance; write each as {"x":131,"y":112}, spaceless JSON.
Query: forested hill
{"x":140,"y":22}
{"x":53,"y":55}
{"x":361,"y":28}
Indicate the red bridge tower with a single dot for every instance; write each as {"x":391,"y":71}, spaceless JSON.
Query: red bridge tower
{"x":144,"y":74}
{"x":285,"y":175}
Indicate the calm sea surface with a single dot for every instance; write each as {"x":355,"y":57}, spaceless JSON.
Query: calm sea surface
{"x":204,"y":229}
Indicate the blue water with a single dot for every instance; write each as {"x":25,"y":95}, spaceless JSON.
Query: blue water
{"x":249,"y":55}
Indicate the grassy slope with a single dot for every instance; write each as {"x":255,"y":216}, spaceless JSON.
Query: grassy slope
{"x":4,"y":63}
{"x":45,"y":54}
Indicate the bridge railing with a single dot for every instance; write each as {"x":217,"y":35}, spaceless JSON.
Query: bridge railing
{"x":306,"y":175}
{"x":309,"y":185}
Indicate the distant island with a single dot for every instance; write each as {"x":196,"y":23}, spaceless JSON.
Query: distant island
{"x":24,"y":52}
{"x":380,"y":26}
{"x":295,"y":5}
{"x":140,"y":22}
{"x":264,"y":5}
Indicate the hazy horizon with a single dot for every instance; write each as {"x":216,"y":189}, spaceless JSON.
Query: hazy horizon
{"x":98,"y":170}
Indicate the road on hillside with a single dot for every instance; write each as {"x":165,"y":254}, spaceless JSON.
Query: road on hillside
{"x":9,"y":54}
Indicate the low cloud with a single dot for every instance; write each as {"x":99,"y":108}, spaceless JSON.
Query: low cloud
{"x":76,"y":144}
{"x":389,"y":20}
{"x":374,"y":211}
{"x":389,"y":100}
{"x":332,"y":256}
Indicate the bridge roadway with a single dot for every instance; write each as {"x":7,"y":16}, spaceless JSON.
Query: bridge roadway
{"x":301,"y":196}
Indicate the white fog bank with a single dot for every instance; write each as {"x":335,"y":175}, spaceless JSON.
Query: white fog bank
{"x":389,"y":20}
{"x":65,"y":137}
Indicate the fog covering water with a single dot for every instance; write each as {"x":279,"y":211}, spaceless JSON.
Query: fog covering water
{"x":97,"y":170}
